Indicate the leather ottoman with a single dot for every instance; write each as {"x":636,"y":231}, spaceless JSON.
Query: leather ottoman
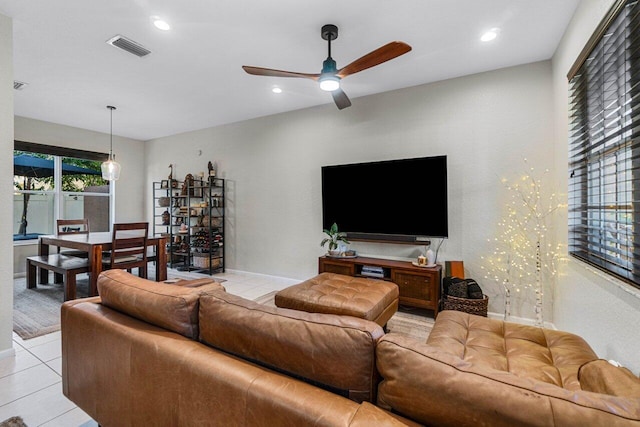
{"x":330,"y":293}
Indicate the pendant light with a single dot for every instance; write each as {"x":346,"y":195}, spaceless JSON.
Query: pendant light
{"x":111,"y":168}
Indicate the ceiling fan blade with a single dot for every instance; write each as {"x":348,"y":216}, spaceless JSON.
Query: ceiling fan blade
{"x":341,"y":99}
{"x":258,"y":71}
{"x":382,"y":54}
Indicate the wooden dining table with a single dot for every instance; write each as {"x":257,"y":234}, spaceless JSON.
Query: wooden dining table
{"x":94,"y":244}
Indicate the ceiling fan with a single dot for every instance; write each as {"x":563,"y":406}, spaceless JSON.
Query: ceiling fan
{"x":329,"y":78}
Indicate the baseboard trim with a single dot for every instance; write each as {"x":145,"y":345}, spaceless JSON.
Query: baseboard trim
{"x":249,"y":273}
{"x":10,"y":352}
{"x":521,"y":320}
{"x":499,"y":316}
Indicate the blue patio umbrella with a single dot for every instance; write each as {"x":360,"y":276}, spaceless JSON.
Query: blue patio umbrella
{"x":37,"y":167}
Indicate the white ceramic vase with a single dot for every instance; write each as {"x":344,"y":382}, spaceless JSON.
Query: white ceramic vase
{"x":431,"y":257}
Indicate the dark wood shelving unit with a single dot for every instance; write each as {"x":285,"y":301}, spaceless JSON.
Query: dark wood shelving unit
{"x":418,"y":286}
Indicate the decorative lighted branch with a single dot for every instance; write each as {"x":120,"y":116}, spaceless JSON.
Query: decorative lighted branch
{"x":524,"y":255}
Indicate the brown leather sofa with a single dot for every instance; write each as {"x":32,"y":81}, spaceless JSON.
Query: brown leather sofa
{"x":145,"y":353}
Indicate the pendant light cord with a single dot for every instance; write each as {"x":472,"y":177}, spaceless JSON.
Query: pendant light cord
{"x":111,"y":133}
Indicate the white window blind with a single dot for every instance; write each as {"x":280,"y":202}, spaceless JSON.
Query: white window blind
{"x":604,"y":146}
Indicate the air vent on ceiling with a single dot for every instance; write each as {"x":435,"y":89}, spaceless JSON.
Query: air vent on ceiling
{"x":19,"y":85}
{"x":128,"y":45}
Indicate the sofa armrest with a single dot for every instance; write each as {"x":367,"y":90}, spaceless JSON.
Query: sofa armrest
{"x":92,"y":300}
{"x":431,"y":386}
{"x":369,"y":415}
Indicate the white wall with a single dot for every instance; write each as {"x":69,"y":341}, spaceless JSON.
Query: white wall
{"x":130,"y":189}
{"x":6,"y":188}
{"x":603,"y":310}
{"x":486,"y":124}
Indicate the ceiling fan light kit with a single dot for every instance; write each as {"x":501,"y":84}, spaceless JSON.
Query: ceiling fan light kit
{"x":329,"y":83}
{"x":330,"y":76}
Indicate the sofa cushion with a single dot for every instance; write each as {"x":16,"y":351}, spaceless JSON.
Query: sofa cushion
{"x":600,"y":376}
{"x":171,"y":307}
{"x":335,"y":352}
{"x":434,"y":387}
{"x":541,"y":354}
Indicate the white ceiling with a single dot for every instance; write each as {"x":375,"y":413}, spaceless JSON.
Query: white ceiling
{"x":193,"y":77}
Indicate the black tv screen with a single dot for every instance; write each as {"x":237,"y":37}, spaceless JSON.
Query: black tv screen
{"x":395,"y":200}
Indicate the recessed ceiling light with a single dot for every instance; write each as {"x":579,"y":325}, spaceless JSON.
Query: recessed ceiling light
{"x":160,"y":24}
{"x":490,"y":35}
{"x":276,"y":89}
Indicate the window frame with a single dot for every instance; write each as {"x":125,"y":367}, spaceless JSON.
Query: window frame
{"x":58,"y":154}
{"x":603,"y":220}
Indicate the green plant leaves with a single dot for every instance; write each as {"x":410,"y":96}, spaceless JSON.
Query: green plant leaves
{"x":334,"y":237}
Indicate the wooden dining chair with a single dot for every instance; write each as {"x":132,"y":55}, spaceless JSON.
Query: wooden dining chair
{"x":71,"y":226}
{"x":128,"y":248}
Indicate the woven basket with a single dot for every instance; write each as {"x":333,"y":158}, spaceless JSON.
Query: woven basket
{"x":203,"y":261}
{"x":214,"y":221}
{"x":163,"y":202}
{"x":471,"y":306}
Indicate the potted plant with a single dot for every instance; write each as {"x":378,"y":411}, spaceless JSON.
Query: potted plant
{"x":335,"y":236}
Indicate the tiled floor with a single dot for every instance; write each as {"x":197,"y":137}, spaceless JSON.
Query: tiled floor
{"x":31,"y":384}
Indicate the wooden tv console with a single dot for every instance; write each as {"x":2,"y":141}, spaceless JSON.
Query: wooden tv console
{"x":419,"y":286}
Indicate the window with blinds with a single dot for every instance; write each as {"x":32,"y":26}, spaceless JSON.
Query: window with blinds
{"x":604,"y":146}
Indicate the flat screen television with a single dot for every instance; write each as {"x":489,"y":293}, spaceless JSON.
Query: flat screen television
{"x":403,"y":201}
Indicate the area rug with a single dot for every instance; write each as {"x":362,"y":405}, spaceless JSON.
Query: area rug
{"x":411,"y":322}
{"x":13,"y":422}
{"x":36,"y":311}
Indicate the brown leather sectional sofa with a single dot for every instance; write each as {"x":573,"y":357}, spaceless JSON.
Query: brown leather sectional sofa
{"x":149,"y":354}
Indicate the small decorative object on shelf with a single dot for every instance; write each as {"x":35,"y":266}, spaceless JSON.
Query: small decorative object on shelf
{"x":166,"y":218}
{"x":187,"y":186}
{"x":431,"y":257}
